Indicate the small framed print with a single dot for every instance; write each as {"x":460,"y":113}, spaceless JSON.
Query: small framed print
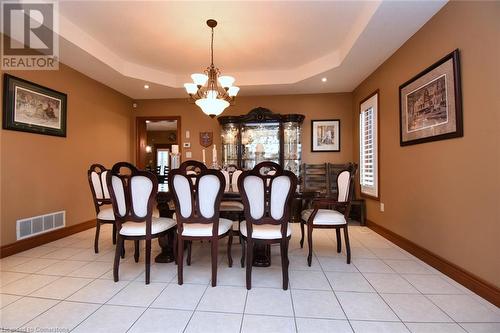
{"x":431,"y":103}
{"x":29,"y":107}
{"x":325,"y":135}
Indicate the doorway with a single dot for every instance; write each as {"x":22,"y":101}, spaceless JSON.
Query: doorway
{"x":155,"y":137}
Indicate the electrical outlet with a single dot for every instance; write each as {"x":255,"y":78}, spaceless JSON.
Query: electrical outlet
{"x":382,"y":207}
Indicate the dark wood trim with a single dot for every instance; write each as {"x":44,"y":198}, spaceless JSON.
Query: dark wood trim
{"x":364,"y":195}
{"x":465,"y":278}
{"x":29,"y":243}
{"x":140,"y":136}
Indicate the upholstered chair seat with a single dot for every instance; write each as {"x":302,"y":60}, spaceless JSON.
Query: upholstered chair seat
{"x":231,"y":206}
{"x":197,"y":200}
{"x":158,"y":225}
{"x":325,"y":217}
{"x":106,"y":214}
{"x":133,"y":196}
{"x":204,"y":229}
{"x":265,"y":231}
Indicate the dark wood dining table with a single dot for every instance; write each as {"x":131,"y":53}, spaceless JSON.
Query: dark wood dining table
{"x":261,"y":255}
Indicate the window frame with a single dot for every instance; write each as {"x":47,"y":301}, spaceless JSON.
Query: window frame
{"x":376,"y":105}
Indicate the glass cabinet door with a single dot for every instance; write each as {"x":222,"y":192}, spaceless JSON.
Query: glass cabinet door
{"x":229,"y":139}
{"x":260,"y":142}
{"x":292,"y":147}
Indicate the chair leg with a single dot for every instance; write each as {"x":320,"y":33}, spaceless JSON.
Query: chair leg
{"x":301,"y":234}
{"x":175,"y":246}
{"x":284,"y":262}
{"x":215,"y":250}
{"x":136,"y":251}
{"x":339,"y":240}
{"x":180,"y":259}
{"x":229,"y":244}
{"x":96,"y":240}
{"x":309,"y":244}
{"x":243,"y":249}
{"x":148,"y":260}
{"x":249,"y":262}
{"x":347,"y":245}
{"x":188,"y":259}
{"x":114,"y":233}
{"x":123,"y":252}
{"x":118,"y":251}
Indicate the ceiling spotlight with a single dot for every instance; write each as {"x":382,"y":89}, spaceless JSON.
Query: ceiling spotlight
{"x":146,"y":86}
{"x":324,"y":79}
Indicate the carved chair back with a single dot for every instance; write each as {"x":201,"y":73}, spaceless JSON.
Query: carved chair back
{"x":231,"y":174}
{"x":97,"y":181}
{"x":133,"y":194}
{"x":267,"y":191}
{"x":345,"y":192}
{"x":197,"y":196}
{"x":192,"y":168}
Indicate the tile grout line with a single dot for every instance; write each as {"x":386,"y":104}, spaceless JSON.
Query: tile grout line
{"x":244,"y":309}
{"x":100,"y":304}
{"x":148,"y":307}
{"x":334,"y":294}
{"x":196,"y":307}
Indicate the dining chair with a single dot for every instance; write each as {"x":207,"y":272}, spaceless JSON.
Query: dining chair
{"x":197,"y":200}
{"x":232,"y":207}
{"x":331,"y":213}
{"x":267,"y":198}
{"x":102,"y":201}
{"x":133,"y":196}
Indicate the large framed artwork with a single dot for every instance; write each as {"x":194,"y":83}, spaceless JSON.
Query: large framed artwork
{"x":431,"y":103}
{"x":325,"y":135}
{"x":29,"y":107}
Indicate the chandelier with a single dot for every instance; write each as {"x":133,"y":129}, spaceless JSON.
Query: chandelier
{"x":211,"y":91}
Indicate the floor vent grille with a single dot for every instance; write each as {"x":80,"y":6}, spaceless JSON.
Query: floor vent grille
{"x":40,"y":224}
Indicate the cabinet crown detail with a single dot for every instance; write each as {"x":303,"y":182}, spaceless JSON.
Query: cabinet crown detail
{"x":260,"y":115}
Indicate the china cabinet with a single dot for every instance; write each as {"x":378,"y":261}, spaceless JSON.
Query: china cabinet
{"x":261,"y":136}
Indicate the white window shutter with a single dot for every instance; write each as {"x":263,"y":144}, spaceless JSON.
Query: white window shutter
{"x":368,"y":146}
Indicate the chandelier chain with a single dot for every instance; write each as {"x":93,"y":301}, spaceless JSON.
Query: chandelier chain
{"x":212,"y":48}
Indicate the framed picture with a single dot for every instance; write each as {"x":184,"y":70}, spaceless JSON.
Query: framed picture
{"x":29,"y":107}
{"x":431,"y":103}
{"x":325,"y":135}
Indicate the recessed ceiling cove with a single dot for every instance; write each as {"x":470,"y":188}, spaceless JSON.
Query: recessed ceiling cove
{"x":271,"y":47}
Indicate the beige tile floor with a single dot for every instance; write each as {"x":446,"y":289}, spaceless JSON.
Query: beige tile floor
{"x":63,"y":286}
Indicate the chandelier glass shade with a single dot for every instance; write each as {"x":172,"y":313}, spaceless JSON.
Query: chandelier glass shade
{"x":211,"y":91}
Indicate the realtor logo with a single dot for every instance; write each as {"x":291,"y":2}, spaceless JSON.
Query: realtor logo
{"x":30,"y":35}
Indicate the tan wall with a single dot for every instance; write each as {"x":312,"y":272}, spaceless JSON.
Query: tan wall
{"x":315,"y":106}
{"x":42,"y":174}
{"x":444,"y":195}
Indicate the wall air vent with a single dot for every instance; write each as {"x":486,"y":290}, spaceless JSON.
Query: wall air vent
{"x":40,"y":224}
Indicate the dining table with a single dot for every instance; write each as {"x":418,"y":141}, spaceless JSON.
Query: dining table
{"x":262,"y":253}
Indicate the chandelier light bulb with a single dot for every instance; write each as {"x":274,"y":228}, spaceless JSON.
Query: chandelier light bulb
{"x":191,"y":88}
{"x":199,"y":79}
{"x":226,"y":81}
{"x":233,"y":91}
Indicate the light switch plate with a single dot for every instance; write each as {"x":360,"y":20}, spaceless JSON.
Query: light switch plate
{"x":188,"y":134}
{"x":188,"y":154}
{"x":382,"y":207}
